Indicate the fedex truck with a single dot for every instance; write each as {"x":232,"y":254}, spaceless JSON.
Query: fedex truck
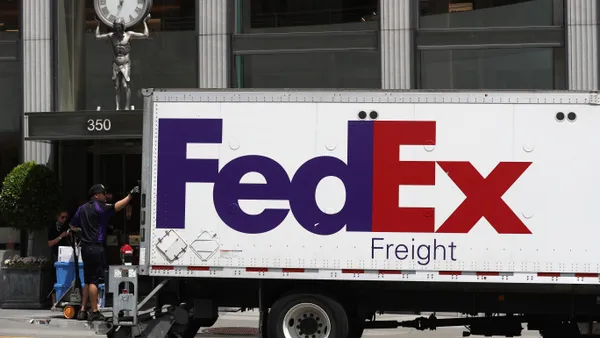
{"x":325,"y":208}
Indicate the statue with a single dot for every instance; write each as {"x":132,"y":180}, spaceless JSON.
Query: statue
{"x":121,"y":67}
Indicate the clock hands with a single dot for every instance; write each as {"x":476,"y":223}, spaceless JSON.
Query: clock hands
{"x":120,"y":7}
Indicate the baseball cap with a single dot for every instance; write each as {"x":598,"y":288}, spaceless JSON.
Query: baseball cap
{"x":97,"y":189}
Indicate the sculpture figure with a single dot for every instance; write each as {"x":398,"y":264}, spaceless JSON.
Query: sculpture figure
{"x":121,"y":67}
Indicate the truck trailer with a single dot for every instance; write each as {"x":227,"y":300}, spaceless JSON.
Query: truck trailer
{"x":325,"y":208}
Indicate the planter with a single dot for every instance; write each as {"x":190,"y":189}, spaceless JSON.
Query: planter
{"x":26,"y":289}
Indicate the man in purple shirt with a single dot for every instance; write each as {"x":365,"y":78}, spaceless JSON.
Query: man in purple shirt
{"x":92,"y":219}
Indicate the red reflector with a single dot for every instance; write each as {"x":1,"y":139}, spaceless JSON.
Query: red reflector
{"x":586,"y":275}
{"x":390,"y":272}
{"x":198,"y":268}
{"x":162,"y":267}
{"x":126,"y":249}
{"x":257,"y":269}
{"x":293,"y":270}
{"x":450,"y":273}
{"x":124,"y":291}
{"x":548,"y":274}
{"x":487,"y":273}
{"x":352,"y":271}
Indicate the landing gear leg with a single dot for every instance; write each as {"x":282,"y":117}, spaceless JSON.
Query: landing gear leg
{"x":263,"y":313}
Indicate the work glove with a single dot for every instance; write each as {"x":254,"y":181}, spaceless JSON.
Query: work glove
{"x":135,"y":190}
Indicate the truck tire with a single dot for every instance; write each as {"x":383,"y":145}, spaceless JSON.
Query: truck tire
{"x":193,"y":327}
{"x":356,"y":328}
{"x":356,"y":332}
{"x":301,"y":315}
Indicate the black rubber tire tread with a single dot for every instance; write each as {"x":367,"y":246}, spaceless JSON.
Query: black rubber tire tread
{"x":194,"y":326}
{"x":356,"y":331}
{"x":356,"y":327}
{"x":335,"y":311}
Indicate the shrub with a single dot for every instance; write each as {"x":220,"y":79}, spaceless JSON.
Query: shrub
{"x":29,"y":198}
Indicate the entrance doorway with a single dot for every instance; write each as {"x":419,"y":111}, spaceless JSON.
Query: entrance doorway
{"x":118,"y":166}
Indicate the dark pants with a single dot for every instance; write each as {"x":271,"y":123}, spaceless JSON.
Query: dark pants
{"x":94,"y":263}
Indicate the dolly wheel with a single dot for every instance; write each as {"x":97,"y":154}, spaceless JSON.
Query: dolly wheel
{"x":69,"y":312}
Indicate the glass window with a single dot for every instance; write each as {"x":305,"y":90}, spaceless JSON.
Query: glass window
{"x":9,"y":16}
{"x":169,"y":58}
{"x":10,"y":96}
{"x":485,"y":13}
{"x":10,"y":150}
{"x":9,"y":30}
{"x":344,"y":69}
{"x":527,"y":68}
{"x":342,"y":14}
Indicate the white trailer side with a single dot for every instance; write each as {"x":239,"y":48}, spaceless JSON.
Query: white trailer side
{"x":345,"y":199}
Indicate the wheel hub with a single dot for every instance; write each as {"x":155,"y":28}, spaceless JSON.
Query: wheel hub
{"x":309,"y":325}
{"x":306,"y":321}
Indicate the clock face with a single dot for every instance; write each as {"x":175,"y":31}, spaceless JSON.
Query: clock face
{"x":132,"y":11}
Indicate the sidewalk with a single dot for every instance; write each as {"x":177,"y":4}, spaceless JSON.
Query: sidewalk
{"x":56,"y":318}
{"x":246,"y":321}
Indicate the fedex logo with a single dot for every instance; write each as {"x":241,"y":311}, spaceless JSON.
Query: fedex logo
{"x":372,"y":177}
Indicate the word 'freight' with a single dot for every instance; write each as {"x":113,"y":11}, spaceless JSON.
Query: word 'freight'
{"x":423,"y":254}
{"x":371,"y":176}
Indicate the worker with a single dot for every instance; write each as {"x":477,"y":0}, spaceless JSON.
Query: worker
{"x":57,"y":236}
{"x":91,"y":219}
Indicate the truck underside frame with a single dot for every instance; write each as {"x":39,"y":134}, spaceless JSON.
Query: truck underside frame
{"x":183,"y":305}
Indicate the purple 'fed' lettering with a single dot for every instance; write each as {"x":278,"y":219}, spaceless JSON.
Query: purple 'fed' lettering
{"x":175,"y":170}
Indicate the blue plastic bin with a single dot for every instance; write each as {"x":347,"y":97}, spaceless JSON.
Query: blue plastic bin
{"x":65,"y":273}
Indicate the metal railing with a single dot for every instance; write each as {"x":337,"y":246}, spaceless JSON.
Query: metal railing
{"x":306,"y":18}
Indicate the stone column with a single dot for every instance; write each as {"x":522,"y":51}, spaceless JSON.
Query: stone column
{"x":70,"y":55}
{"x":396,"y":44}
{"x":37,"y":71}
{"x":37,"y":88}
{"x":213,"y":43}
{"x":582,"y":44}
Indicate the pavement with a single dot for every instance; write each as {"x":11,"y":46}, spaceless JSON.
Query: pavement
{"x":46,"y":324}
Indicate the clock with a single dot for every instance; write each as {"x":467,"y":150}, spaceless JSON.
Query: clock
{"x":132,"y":11}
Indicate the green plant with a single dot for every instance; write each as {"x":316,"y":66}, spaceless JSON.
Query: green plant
{"x":29,"y":198}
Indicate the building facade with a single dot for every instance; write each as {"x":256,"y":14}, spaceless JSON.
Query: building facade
{"x":56,"y":76}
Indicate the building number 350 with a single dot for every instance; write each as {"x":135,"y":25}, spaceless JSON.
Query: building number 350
{"x":98,"y":125}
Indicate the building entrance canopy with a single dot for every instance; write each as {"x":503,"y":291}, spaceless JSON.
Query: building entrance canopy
{"x":84,"y":125}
